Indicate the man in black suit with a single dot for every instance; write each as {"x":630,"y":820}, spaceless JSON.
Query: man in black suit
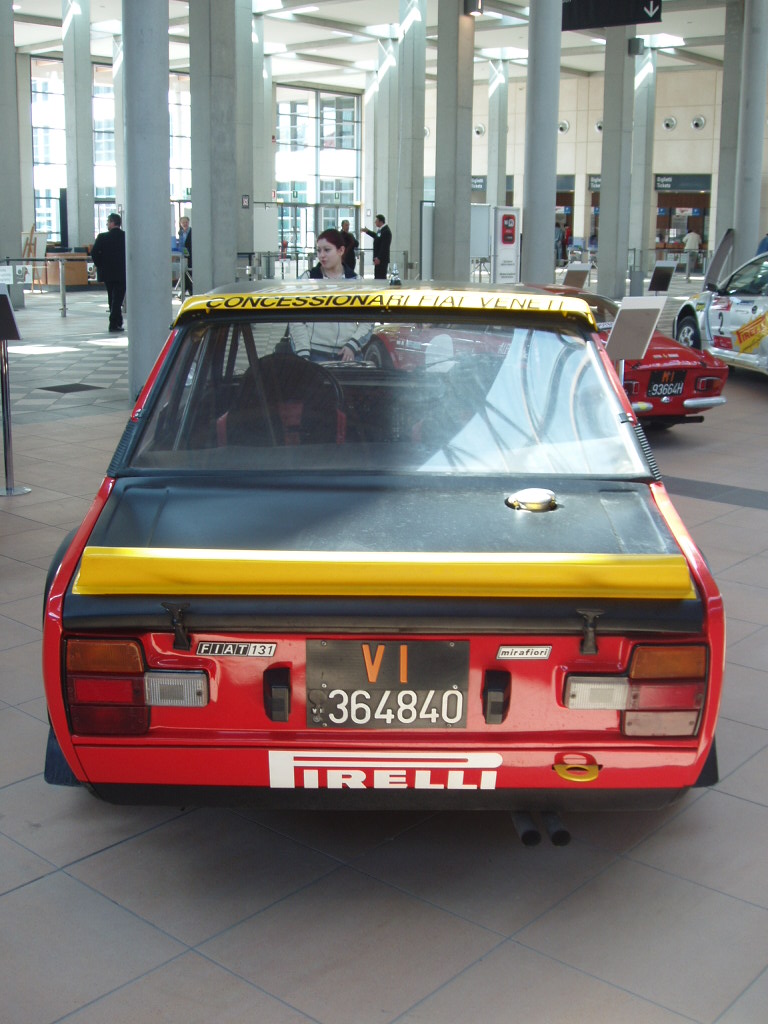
{"x":382,"y":240}
{"x":185,"y":246}
{"x":108,"y":254}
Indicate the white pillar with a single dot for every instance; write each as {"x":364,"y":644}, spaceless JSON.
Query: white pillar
{"x":214,"y":179}
{"x":498,"y":114}
{"x":78,"y":113}
{"x":749,"y":154}
{"x":412,"y":56}
{"x":616,"y":164}
{"x":541,"y":119}
{"x":147,"y":159}
{"x":453,"y":173}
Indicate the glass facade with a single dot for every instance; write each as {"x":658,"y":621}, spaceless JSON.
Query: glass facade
{"x":317,"y":165}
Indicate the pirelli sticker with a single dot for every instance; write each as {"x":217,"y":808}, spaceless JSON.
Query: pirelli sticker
{"x":393,"y":299}
{"x":750,"y":335}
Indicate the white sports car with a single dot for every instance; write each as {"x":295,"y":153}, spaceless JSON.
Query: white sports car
{"x":730,"y":319}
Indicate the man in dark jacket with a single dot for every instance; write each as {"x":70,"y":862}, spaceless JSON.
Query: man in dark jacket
{"x":382,"y":240}
{"x":108,"y":254}
{"x":350,"y":246}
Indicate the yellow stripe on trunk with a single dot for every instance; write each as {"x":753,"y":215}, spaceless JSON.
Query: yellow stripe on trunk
{"x":179,"y":571}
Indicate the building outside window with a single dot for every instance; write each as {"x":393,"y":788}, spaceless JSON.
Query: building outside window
{"x":180,"y":109}
{"x":49,"y":144}
{"x":317,"y":165}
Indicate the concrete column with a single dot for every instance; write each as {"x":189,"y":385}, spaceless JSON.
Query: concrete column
{"x":412,"y":64}
{"x":368,"y":209}
{"x":386,"y":146}
{"x":119,"y":93}
{"x":214,"y":180}
{"x":616,"y":164}
{"x":78,"y":113}
{"x":749,"y":153}
{"x":729,"y":119}
{"x":24,"y":166}
{"x":581,"y":206}
{"x":642,"y":206}
{"x":540,"y":165}
{"x":498,"y":119}
{"x":263,"y":125}
{"x":147,"y":159}
{"x":453,"y":172}
{"x":244,"y":124}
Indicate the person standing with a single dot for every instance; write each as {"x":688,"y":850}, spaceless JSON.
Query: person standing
{"x":185,"y":246}
{"x":691,"y":243}
{"x":350,"y":245}
{"x":108,"y":255}
{"x":382,"y":240}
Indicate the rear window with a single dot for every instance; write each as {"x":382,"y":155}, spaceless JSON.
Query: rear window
{"x":442,"y":397}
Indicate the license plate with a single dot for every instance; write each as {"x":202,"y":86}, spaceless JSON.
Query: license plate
{"x":666,"y":382}
{"x":387,"y":684}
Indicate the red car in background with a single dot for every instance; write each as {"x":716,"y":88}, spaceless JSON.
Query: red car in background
{"x":670,"y":384}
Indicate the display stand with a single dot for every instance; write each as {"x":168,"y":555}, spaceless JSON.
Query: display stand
{"x":8,"y":332}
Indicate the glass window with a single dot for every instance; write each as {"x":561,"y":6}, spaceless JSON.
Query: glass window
{"x":750,"y":280}
{"x":476,"y":397}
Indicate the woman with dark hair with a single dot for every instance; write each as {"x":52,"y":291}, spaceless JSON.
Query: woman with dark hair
{"x":330,"y":250}
{"x":323,"y":341}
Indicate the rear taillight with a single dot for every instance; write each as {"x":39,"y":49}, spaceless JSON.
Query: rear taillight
{"x":109,"y":693}
{"x":632,"y":387}
{"x":708,"y":385}
{"x":662,"y":694}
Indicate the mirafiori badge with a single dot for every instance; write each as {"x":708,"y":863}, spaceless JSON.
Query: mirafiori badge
{"x":514,"y":653}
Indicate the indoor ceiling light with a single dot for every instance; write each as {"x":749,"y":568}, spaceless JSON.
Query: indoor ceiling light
{"x":473,"y":7}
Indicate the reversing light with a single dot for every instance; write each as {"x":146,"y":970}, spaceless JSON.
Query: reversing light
{"x":176,"y":689}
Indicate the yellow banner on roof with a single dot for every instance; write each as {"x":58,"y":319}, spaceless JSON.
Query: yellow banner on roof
{"x":444,"y":300}
{"x":177,"y":571}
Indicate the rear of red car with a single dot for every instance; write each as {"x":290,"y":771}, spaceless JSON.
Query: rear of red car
{"x":462,"y":584}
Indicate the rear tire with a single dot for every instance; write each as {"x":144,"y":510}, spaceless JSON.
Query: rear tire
{"x":688,"y":333}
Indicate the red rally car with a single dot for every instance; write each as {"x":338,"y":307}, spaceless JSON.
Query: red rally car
{"x":347,"y":579}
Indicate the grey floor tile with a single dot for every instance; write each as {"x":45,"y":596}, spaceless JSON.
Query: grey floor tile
{"x":713,"y":842}
{"x":669,"y":940}
{"x":350,"y":950}
{"x":22,"y":677}
{"x":68,"y":946}
{"x":513,"y":983}
{"x":519,"y":882}
{"x":202,"y":873}
{"x":189,"y":990}
{"x":22,"y":743}
{"x":65,"y":824}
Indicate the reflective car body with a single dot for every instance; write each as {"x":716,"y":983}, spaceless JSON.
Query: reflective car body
{"x":458,"y":580}
{"x":670,"y":384}
{"x":731,"y":320}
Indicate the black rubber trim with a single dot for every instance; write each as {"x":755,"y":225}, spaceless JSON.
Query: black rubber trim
{"x":380,"y":800}
{"x":318,"y":615}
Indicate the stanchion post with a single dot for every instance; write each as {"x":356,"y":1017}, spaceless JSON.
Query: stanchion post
{"x":63,"y":286}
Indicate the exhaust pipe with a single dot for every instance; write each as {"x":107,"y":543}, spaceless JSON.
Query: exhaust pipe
{"x":556,"y":830}
{"x":526,"y":828}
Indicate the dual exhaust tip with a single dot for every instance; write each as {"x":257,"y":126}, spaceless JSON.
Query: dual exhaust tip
{"x":530,"y":833}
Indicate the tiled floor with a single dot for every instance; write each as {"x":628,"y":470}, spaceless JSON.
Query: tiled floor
{"x":191,"y":915}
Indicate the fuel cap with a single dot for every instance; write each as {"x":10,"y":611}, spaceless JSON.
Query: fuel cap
{"x":533,"y":499}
